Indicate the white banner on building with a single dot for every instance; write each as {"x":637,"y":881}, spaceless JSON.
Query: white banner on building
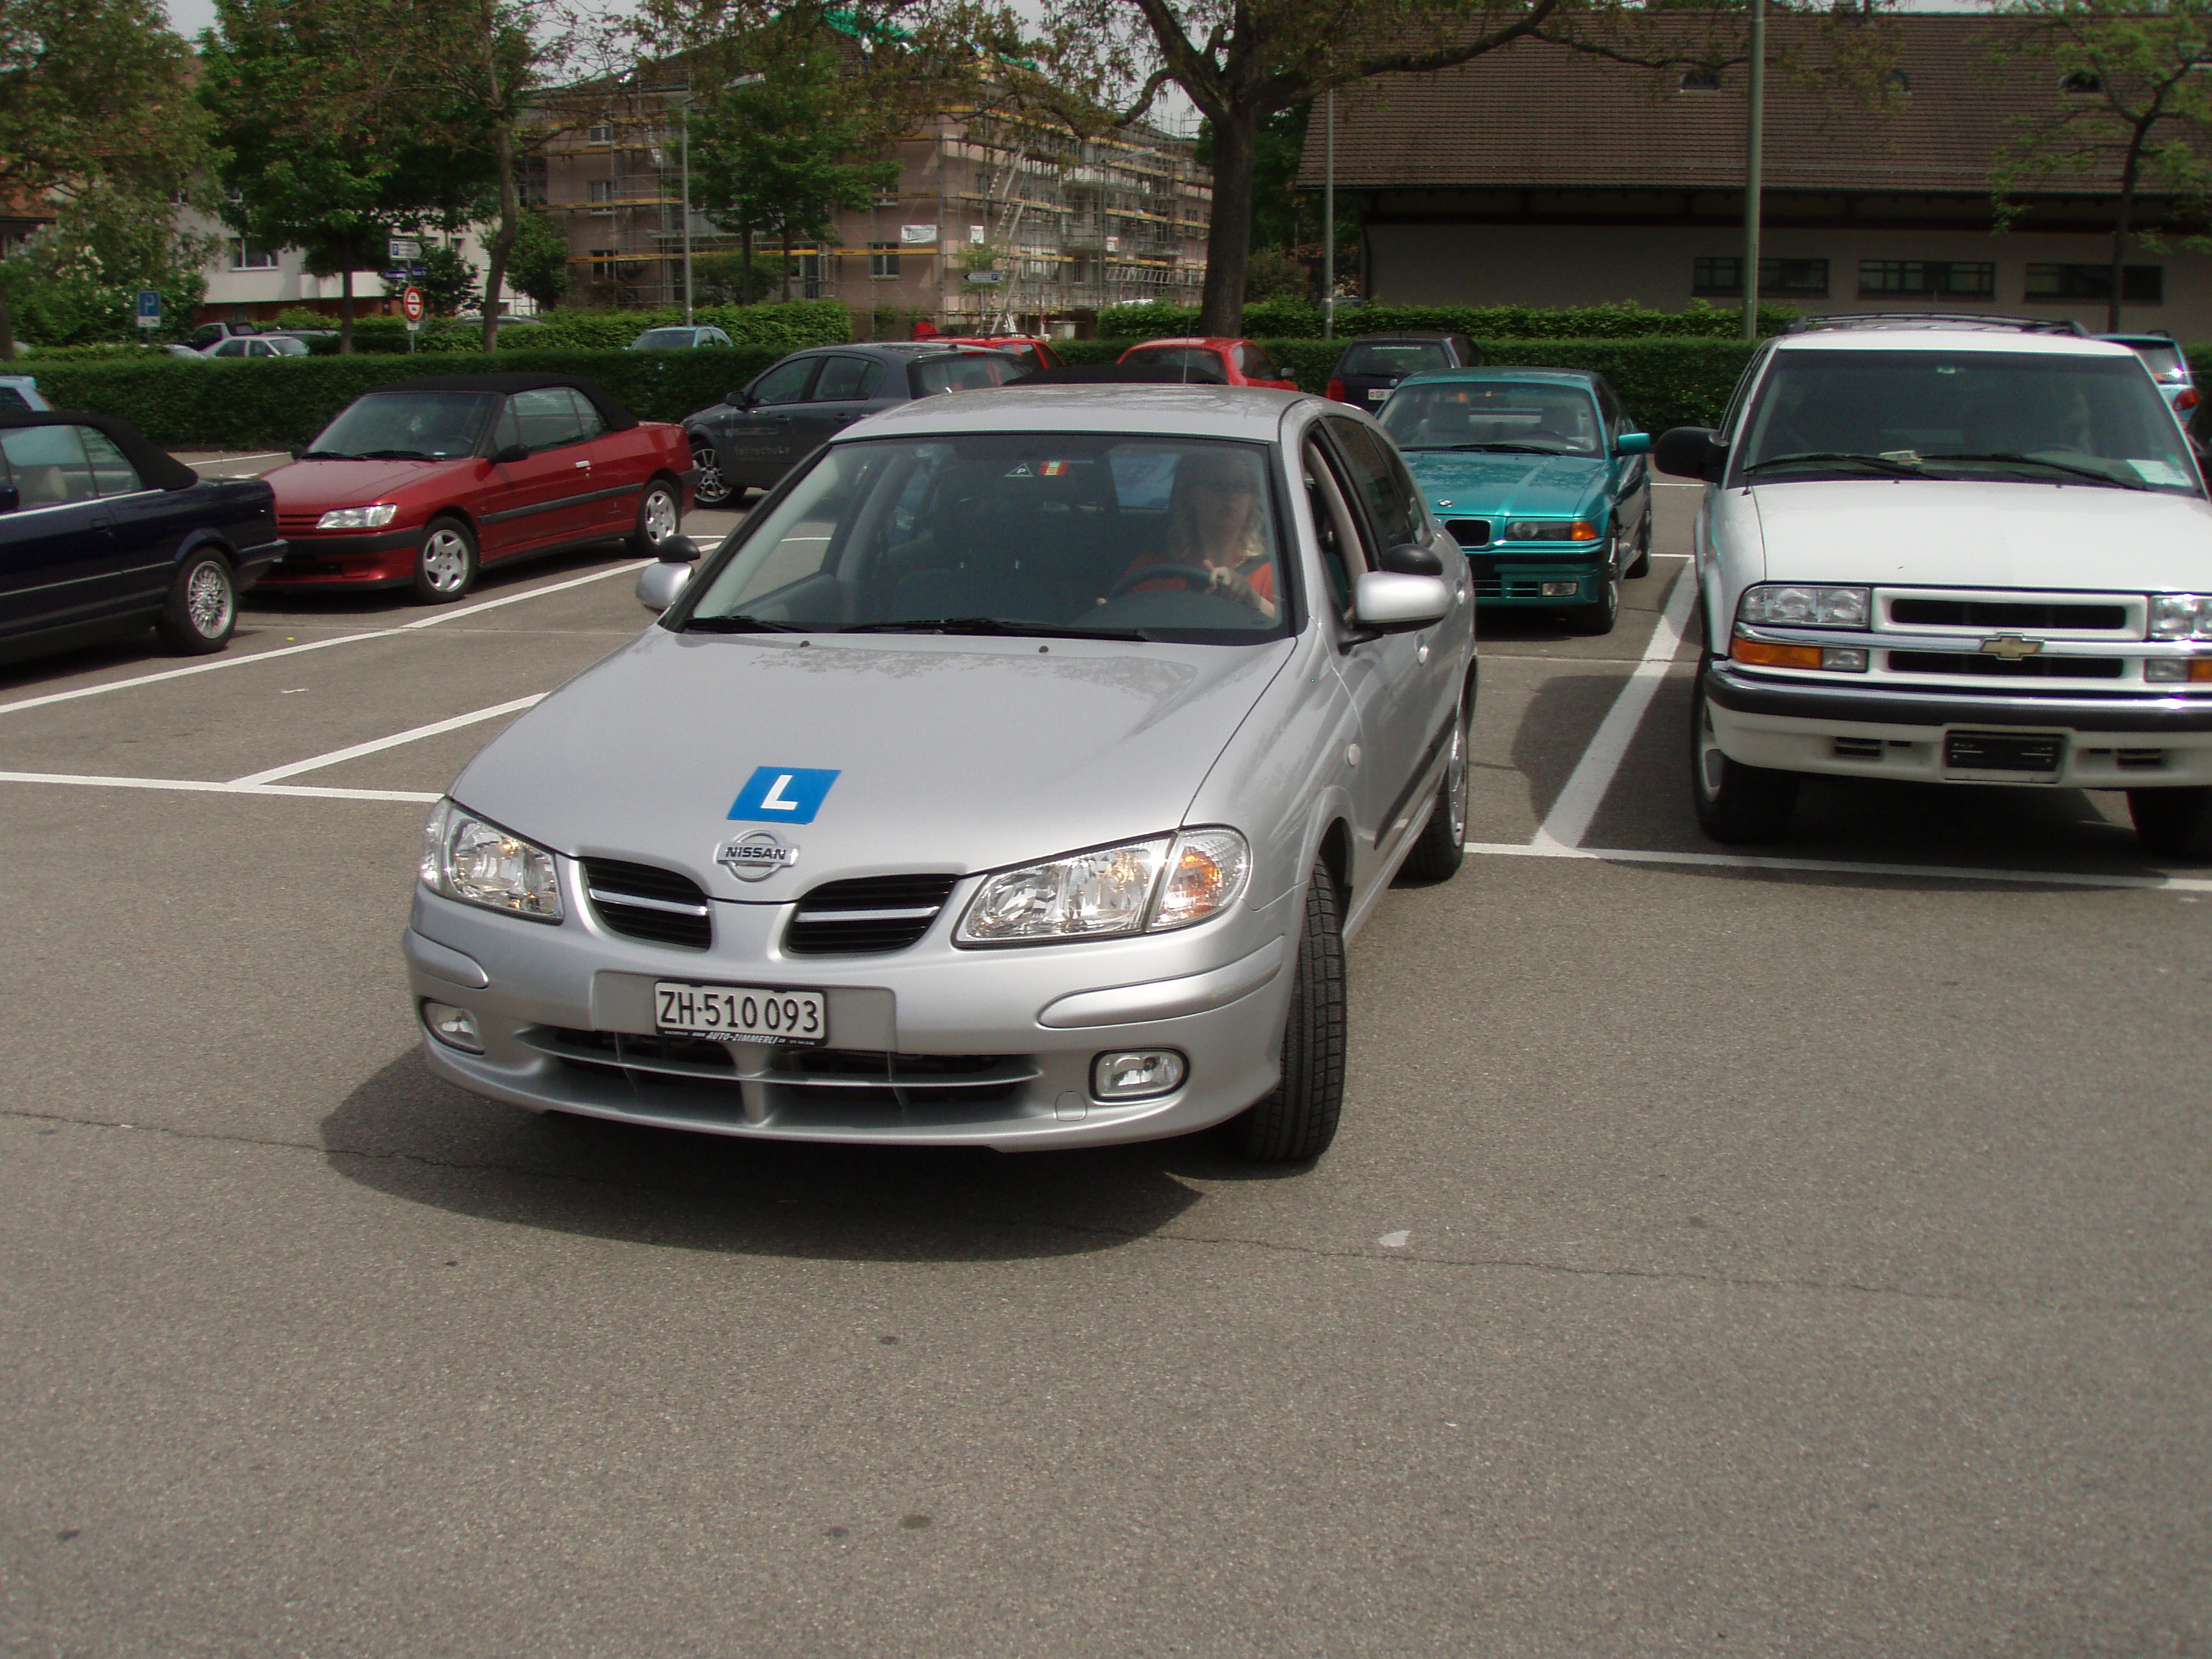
{"x":914,"y":235}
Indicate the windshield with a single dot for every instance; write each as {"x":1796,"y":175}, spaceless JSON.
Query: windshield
{"x":2033,"y":417}
{"x":1198,"y":365}
{"x":965,"y":372}
{"x":415,"y":425}
{"x":1533,"y":418}
{"x":1394,"y":358}
{"x":1047,"y":534}
{"x":663,"y":337}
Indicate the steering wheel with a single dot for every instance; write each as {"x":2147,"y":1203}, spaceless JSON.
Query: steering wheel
{"x":1189,"y":574}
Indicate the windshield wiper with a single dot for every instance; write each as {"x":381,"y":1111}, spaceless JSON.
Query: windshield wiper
{"x":395,"y":455}
{"x":1504,"y":449}
{"x":2013,"y":459}
{"x":992,"y":625}
{"x":1895,"y":468}
{"x":744,"y":625}
{"x":328,"y":455}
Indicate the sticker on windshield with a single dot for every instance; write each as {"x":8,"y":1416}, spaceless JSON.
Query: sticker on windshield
{"x":782,"y":794}
{"x":2159,"y":472}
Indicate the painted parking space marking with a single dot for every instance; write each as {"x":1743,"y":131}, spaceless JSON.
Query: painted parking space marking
{"x":1756,"y":862}
{"x":376,"y":745}
{"x":203,"y":787}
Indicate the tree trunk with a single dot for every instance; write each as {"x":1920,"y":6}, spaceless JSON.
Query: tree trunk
{"x":1228,"y":238}
{"x":345,"y":303}
{"x":502,"y":242}
{"x":783,"y":236}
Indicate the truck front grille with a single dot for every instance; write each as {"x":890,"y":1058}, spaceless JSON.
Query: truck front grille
{"x":2027,"y":668}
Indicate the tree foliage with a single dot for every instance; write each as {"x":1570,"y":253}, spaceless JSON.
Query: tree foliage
{"x":537,"y":264}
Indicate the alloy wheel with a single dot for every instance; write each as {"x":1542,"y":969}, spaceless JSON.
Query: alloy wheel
{"x":711,"y":489}
{"x":446,"y":561}
{"x":207,"y":602}
{"x":659,"y":514}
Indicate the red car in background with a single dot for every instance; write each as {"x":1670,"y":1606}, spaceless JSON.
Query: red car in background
{"x":421,"y":482}
{"x":1212,"y":361}
{"x":1032,"y":349}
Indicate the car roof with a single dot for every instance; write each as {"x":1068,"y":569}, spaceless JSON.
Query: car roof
{"x":1408,"y":334}
{"x":902,"y":349}
{"x":507,"y":383}
{"x":1252,"y":413}
{"x":1217,"y":340}
{"x":1951,"y":339}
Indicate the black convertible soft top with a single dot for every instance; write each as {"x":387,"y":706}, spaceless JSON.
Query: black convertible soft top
{"x":155,"y":466}
{"x":508,"y":382}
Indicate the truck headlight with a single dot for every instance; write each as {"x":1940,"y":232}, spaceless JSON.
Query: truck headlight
{"x":2181,"y":616}
{"x":1549,"y":530}
{"x":358,"y":518}
{"x":1790,"y":605}
{"x":470,"y":859}
{"x":1152,"y":885}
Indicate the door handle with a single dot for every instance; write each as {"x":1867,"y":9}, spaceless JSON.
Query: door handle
{"x":584,"y":465}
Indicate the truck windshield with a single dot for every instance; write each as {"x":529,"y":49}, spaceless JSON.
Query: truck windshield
{"x":1055,"y":535}
{"x":2028,"y":417}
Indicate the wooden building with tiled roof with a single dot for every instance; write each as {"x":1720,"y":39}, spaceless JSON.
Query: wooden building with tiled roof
{"x":1543,"y":175}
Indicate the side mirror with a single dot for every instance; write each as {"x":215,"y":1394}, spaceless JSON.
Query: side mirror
{"x":657,"y":584}
{"x":1413,"y":559}
{"x":1633,"y":443}
{"x":510,"y":454}
{"x":678,"y":550}
{"x":739,"y":399}
{"x":11,"y":498}
{"x":1390,"y":603}
{"x":1691,"y":451}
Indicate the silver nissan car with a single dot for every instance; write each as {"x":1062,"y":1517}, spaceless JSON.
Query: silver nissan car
{"x":1013,"y":776}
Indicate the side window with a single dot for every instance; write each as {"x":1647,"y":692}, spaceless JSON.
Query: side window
{"x":1259,"y":366}
{"x":786,"y":383}
{"x":546,"y":417}
{"x":1743,"y":389}
{"x":49,"y":465}
{"x":962,"y":374}
{"x":1380,"y":482}
{"x":589,"y":422}
{"x":111,"y":475}
{"x":1342,"y":556}
{"x":505,"y":433}
{"x":846,"y":378}
{"x":11,"y":399}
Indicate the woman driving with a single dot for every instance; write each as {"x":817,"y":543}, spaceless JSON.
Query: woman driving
{"x":1217,"y":525}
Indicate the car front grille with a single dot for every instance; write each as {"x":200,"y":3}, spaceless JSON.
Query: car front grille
{"x":642,"y":900}
{"x":796,"y":1077}
{"x":2027,"y":668}
{"x":296,"y":524}
{"x":869,"y":915}
{"x":1469,"y":532}
{"x":2005,"y":613}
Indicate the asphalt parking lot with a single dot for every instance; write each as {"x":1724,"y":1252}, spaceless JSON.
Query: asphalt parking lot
{"x":1804,"y":1255}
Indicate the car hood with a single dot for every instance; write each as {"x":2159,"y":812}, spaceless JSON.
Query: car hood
{"x":950,"y":755}
{"x":318,"y":486}
{"x":1506,"y":486}
{"x":1938,"y":533}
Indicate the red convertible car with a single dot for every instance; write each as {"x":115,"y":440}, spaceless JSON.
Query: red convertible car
{"x":421,"y":482}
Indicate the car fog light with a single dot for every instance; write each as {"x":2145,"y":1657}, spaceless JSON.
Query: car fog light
{"x":2169,"y":669}
{"x":1561,"y":590}
{"x":1138,"y":1074}
{"x":1844,"y":658}
{"x":454,"y":1027}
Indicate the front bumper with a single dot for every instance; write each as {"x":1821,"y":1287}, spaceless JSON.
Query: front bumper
{"x":2119,"y":741}
{"x":997,"y":1045}
{"x":319,"y":560}
{"x":1508,"y":581}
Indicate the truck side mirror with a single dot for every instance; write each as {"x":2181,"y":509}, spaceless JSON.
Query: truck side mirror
{"x":1691,"y":451}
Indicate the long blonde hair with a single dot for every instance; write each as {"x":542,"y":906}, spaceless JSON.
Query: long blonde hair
{"x":1198,"y":472}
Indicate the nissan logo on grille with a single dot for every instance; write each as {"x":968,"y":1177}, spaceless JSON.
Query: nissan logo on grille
{"x":756,"y":857}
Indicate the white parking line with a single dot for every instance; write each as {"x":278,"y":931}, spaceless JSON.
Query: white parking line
{"x":1511,"y":849}
{"x":200,"y":786}
{"x":248,"y":660}
{"x":316,"y":762}
{"x":1569,"y":820}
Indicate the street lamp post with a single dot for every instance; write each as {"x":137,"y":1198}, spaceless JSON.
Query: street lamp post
{"x":1328,"y":216}
{"x":683,"y":167}
{"x":1754,"y":166}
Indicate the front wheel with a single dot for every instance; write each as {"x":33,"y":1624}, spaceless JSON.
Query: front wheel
{"x":1600,"y":619}
{"x":1437,"y":855}
{"x":446,"y":564}
{"x":202,"y":608}
{"x":1734,"y":802}
{"x":1298,"y":1120}
{"x":657,"y":515}
{"x":2174,"y":823}
{"x":709,"y":487}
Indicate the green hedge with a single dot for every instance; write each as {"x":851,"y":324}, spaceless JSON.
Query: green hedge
{"x":1664,"y":382}
{"x":249,"y":403}
{"x":787,"y":326}
{"x":1287,"y":320}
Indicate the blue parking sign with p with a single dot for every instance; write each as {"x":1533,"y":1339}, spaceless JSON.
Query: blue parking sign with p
{"x":782,"y":794}
{"x":149,"y":305}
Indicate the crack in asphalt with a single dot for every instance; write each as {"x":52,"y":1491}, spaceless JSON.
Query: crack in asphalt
{"x":1728,"y":1281}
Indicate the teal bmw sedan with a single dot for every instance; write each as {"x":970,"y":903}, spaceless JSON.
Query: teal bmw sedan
{"x":1540,"y":475}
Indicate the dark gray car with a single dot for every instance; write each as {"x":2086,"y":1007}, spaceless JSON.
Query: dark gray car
{"x":1373,"y":364}
{"x":799,"y":403}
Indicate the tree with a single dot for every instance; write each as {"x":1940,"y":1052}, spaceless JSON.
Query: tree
{"x":448,"y":281}
{"x":96,"y":113}
{"x":2131,"y":94}
{"x":76,"y":280}
{"x":537,"y":263}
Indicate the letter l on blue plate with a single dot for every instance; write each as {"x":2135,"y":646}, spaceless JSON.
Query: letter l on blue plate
{"x":782,"y":794}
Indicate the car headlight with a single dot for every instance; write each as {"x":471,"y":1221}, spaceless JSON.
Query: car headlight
{"x":358,"y":518}
{"x":1141,"y":886}
{"x":1787,"y":604}
{"x":1550,"y":530}
{"x":467,"y":857}
{"x":2181,"y":616}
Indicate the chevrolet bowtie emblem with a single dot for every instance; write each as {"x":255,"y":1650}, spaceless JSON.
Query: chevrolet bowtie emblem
{"x":2011,"y":647}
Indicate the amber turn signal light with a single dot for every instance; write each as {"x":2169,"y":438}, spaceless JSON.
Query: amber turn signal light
{"x":1762,"y":655}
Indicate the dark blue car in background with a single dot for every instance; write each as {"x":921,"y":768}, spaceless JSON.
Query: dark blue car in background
{"x":102,"y":533}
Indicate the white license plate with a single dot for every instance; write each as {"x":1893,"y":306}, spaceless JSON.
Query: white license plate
{"x":741,"y":1013}
{"x":1377,"y":394}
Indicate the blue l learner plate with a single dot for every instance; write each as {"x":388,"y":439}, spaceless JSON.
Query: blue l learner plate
{"x":741,"y":1013}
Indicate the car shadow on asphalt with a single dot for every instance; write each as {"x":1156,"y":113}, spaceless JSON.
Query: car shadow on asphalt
{"x":408,"y":1132}
{"x":491,"y":581}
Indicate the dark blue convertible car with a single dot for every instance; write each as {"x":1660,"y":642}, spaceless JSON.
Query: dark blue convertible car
{"x":102,"y":533}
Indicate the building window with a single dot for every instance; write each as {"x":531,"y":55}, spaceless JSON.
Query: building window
{"x":603,"y":268}
{"x":250,"y":256}
{"x":1946,"y":279}
{"x":2143,"y":284}
{"x":600,"y":190}
{"x":882,"y":259}
{"x":1721,"y":277}
{"x":599,"y":132}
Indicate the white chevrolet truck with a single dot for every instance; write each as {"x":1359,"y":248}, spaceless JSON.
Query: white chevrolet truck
{"x":1952,"y":551}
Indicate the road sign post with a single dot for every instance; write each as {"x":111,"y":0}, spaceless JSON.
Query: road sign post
{"x":410,"y":308}
{"x":149,"y":311}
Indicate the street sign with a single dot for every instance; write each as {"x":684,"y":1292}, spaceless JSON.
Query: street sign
{"x":150,"y":309}
{"x":403,"y":251}
{"x":986,"y":278}
{"x":410,"y":306}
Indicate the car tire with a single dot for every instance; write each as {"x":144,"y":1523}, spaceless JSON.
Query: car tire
{"x":202,"y":609}
{"x":659,"y":516}
{"x":1601,"y":617}
{"x":1295,"y":1122}
{"x":1437,"y":855}
{"x":709,"y":487}
{"x":1642,"y":564}
{"x":2174,"y":823}
{"x":446,"y":564}
{"x":1734,"y":802}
